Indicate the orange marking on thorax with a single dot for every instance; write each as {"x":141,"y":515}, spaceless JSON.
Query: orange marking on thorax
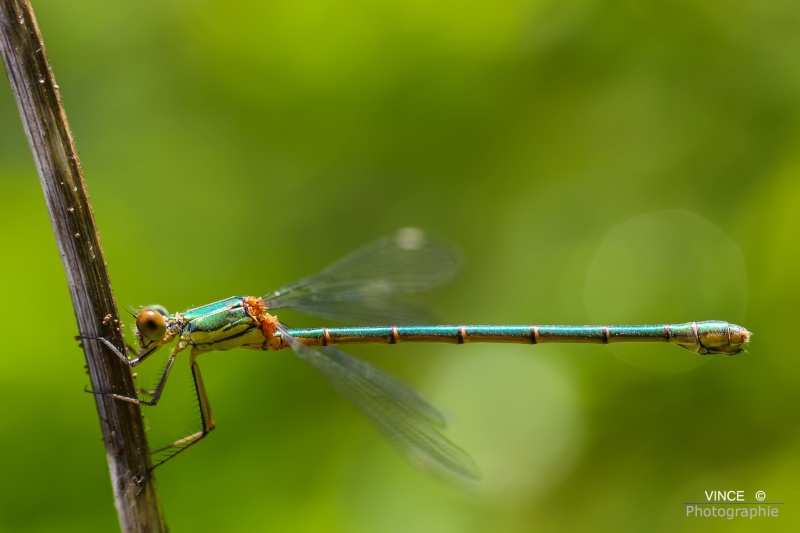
{"x":255,"y":306}
{"x":269,"y":326}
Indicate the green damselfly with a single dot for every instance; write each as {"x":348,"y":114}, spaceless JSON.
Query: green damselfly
{"x":369,"y":286}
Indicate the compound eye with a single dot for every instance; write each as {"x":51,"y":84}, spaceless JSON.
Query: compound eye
{"x":152,"y":324}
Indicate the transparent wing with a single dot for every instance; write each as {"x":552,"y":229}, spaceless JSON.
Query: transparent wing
{"x":404,"y":417}
{"x":373,"y":283}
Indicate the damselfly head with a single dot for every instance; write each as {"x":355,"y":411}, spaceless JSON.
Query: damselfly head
{"x":151,"y":323}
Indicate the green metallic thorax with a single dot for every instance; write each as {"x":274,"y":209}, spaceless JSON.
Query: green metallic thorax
{"x":222,"y":325}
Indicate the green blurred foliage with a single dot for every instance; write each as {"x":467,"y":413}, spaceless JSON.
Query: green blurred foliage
{"x":596,"y":161}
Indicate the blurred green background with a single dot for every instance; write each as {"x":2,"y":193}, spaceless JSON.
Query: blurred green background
{"x":597,"y":162}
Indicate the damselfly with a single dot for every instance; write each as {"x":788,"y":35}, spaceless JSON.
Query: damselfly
{"x":369,"y":286}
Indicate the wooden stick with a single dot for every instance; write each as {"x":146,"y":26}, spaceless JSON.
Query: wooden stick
{"x":51,"y":142}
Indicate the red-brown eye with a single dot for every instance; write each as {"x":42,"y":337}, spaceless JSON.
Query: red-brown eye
{"x":151,"y":324}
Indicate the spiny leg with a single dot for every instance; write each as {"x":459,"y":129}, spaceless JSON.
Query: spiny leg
{"x":206,"y":417}
{"x":140,"y":356}
{"x":156,"y":395}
